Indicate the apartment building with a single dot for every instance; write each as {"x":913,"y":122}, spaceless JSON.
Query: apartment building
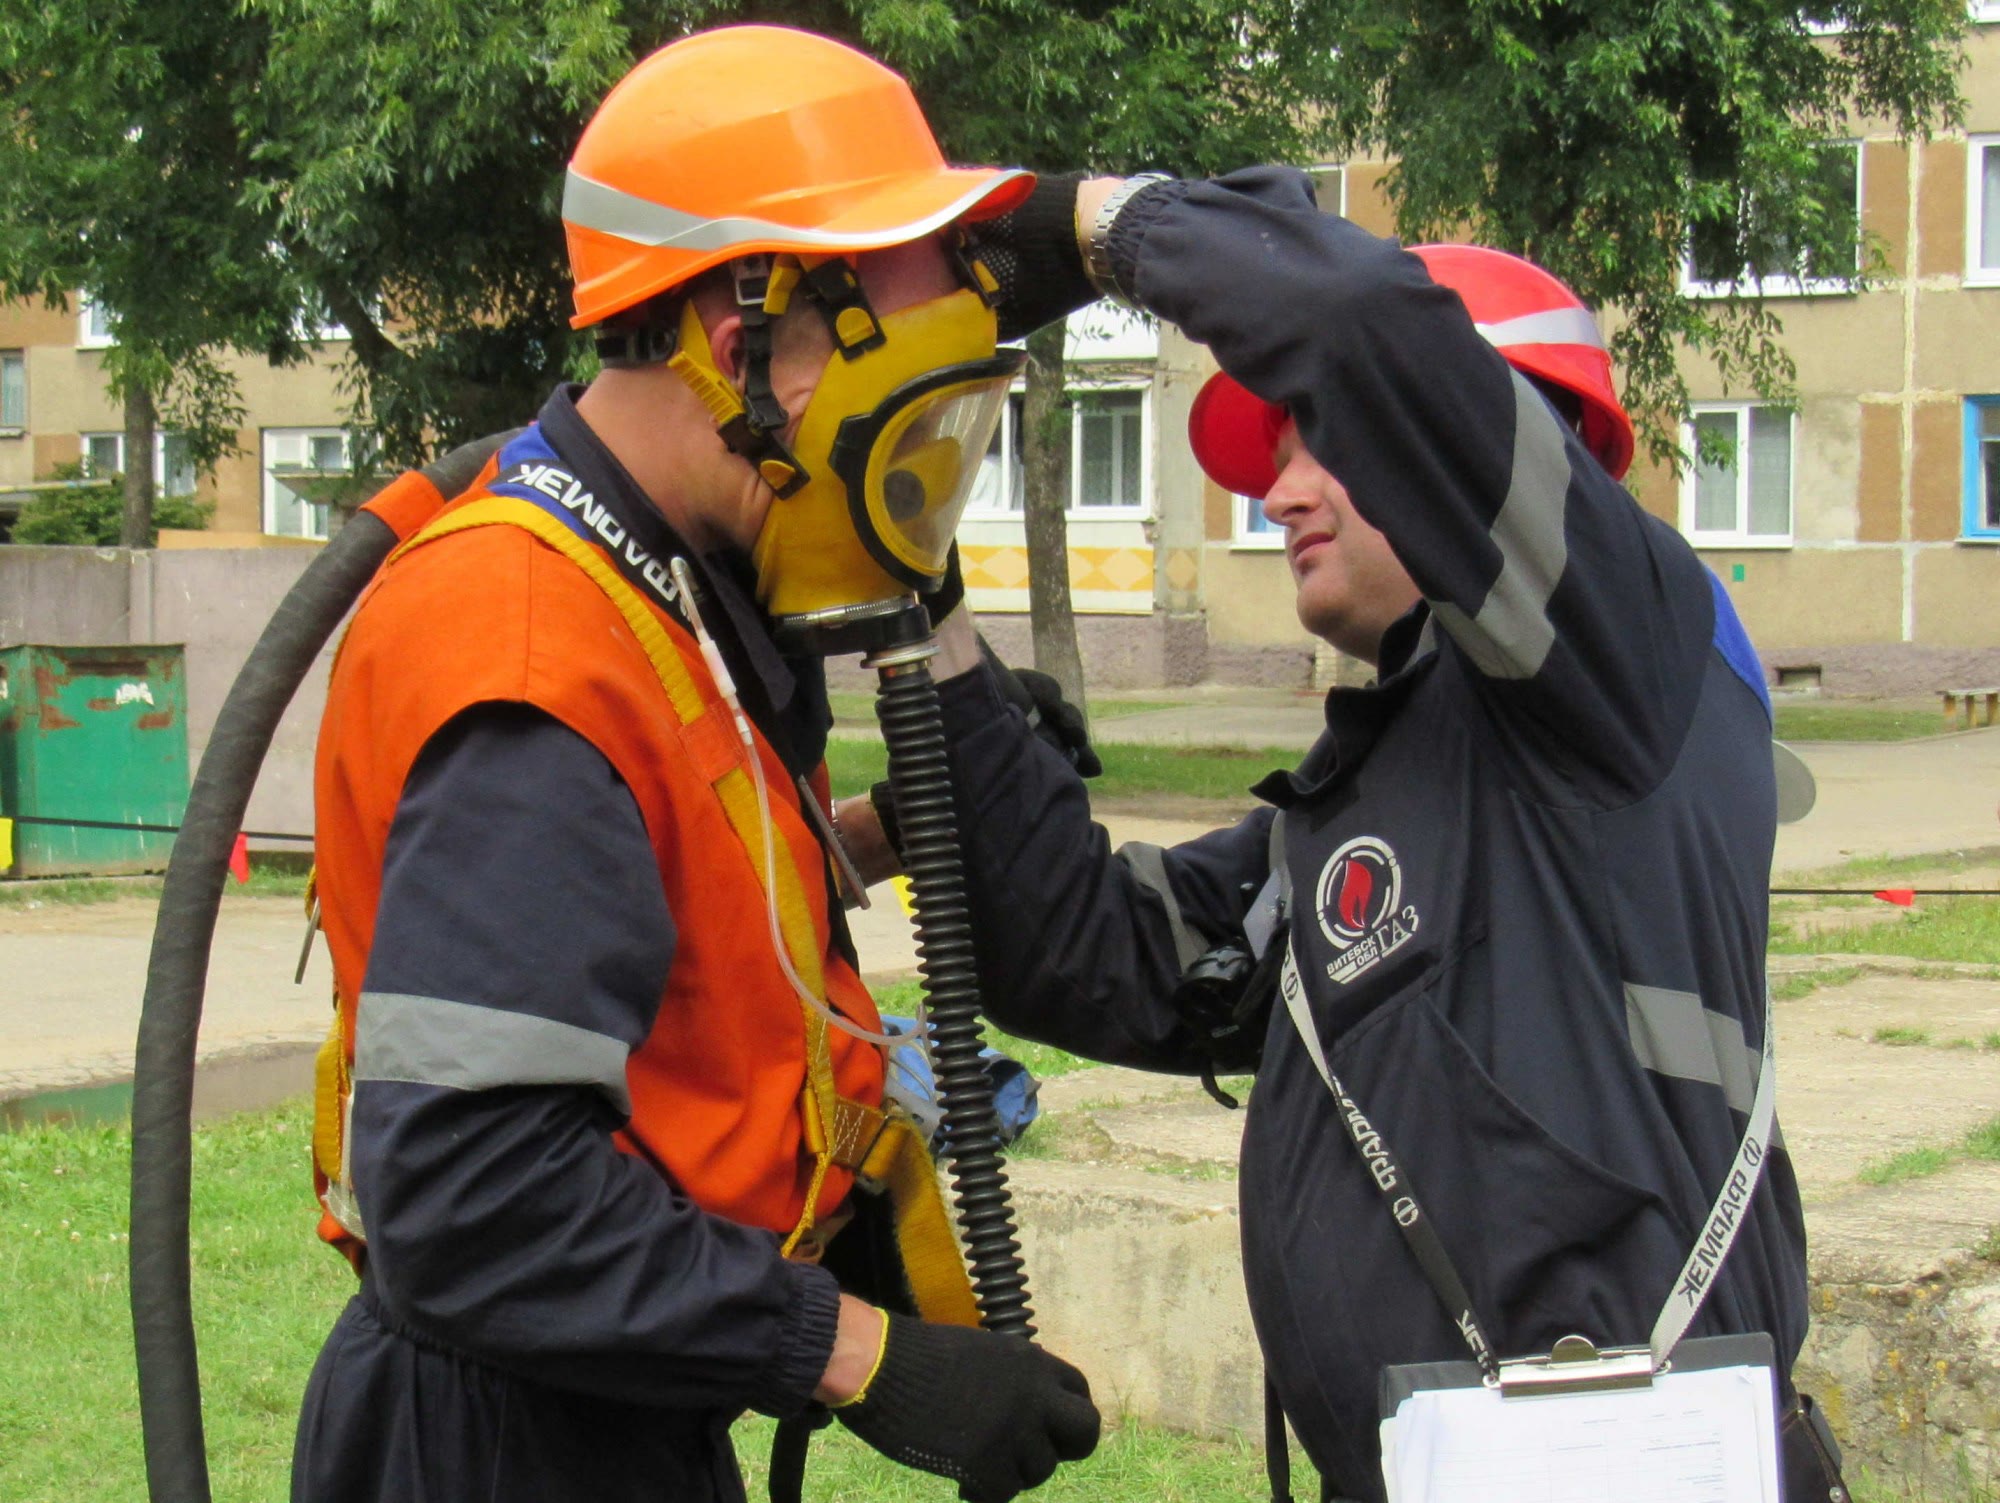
{"x":54,"y":411}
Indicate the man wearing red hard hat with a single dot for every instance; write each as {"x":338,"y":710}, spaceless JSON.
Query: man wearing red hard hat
{"x":1514,"y":901}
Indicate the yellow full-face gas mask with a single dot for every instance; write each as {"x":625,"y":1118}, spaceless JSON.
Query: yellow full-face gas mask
{"x":870,"y":490}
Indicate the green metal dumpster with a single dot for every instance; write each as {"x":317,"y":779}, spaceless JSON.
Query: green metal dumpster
{"x":96,"y":735}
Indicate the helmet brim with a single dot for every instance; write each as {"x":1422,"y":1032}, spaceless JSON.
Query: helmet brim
{"x":1232,"y":432}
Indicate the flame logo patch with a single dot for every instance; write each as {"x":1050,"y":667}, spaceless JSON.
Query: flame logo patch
{"x":1360,"y":905}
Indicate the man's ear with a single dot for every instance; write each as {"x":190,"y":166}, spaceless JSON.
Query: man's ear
{"x":725,"y":340}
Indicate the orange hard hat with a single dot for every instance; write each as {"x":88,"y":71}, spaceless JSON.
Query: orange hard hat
{"x":750,"y":139}
{"x":1538,"y":325}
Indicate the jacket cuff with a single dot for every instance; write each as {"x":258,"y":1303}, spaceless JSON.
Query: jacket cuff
{"x":970,"y":702}
{"x":1142,"y":211}
{"x":805,"y":1347}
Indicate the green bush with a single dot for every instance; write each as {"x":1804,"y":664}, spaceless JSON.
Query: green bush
{"x":92,"y":515}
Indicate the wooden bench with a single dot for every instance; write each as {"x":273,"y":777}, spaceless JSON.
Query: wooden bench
{"x":1961,"y":707}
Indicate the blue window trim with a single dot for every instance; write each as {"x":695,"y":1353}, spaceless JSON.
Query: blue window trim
{"x":1974,"y":523}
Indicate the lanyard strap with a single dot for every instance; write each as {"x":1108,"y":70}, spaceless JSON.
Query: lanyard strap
{"x":1725,"y":1217}
{"x":1392,"y":1182}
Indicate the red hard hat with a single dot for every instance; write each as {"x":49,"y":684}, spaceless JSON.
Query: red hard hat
{"x":1541,"y":328}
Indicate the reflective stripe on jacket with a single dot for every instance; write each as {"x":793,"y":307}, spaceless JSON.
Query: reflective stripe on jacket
{"x":712,"y":1095}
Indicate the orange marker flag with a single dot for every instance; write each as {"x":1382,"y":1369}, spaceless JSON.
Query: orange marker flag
{"x":239,"y":858}
{"x":1902,"y":897}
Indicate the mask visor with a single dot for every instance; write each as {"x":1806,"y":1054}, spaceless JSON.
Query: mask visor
{"x":910,"y":464}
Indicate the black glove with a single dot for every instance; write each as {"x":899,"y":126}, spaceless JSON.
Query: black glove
{"x":1033,"y":254}
{"x":993,"y":1413}
{"x":1039,"y":697}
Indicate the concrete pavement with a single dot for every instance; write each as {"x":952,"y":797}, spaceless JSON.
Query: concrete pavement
{"x":71,"y":977}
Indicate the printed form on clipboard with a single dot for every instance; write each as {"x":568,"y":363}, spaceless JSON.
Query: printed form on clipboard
{"x":1692,"y":1435}
{"x":1674,"y":1421}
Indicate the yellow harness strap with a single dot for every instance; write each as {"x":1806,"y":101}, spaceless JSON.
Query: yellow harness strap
{"x":719,"y":755}
{"x":883,"y":1148}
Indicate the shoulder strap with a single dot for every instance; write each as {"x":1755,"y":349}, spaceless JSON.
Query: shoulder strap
{"x":716,"y":751}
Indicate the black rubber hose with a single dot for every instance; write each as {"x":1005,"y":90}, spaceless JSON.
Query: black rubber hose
{"x":177,"y":974}
{"x":920,"y":778}
{"x":163,"y":1067}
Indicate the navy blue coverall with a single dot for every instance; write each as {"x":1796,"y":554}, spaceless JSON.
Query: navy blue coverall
{"x":1529,"y":867}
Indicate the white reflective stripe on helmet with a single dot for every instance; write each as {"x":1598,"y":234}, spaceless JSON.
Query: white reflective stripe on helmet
{"x":1551,"y":326}
{"x":592,"y":205}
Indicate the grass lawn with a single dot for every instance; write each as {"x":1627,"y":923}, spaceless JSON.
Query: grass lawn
{"x":1217,"y":773}
{"x":266,"y":881}
{"x":265,"y":1293}
{"x":1824,"y":721}
{"x":1044,"y":1060}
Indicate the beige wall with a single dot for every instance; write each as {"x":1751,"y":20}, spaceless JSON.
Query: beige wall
{"x":1249,"y":597}
{"x":1837,"y":596}
{"x":66,"y":398}
{"x":1958,"y":596}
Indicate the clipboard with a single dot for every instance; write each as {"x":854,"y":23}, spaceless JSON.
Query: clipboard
{"x":1579,"y":1423}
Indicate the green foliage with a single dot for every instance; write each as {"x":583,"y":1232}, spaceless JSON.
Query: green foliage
{"x":1597,"y":139}
{"x":90,"y":515}
{"x":233,"y":177}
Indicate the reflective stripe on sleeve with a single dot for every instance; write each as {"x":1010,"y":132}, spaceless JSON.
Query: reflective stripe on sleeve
{"x":1148,"y":864}
{"x":1511,"y":636}
{"x":1551,"y":326}
{"x":463,"y":1047}
{"x":1673,"y":1034}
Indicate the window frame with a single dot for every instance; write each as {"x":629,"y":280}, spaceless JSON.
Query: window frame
{"x":1747,"y":284}
{"x":1243,"y":534}
{"x":1076,"y":392}
{"x":1978,"y":274}
{"x":269,"y":478}
{"x":161,"y":436}
{"x":1973,"y":528}
{"x":87,"y":310}
{"x":16,"y":360}
{"x":1078,"y":388}
{"x":1738,"y":538}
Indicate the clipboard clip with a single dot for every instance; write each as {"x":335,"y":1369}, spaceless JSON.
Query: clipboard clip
{"x":1574,"y":1365}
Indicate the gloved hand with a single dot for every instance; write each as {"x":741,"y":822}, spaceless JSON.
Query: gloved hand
{"x":1033,"y":254}
{"x":993,"y":1413}
{"x":1039,"y":697}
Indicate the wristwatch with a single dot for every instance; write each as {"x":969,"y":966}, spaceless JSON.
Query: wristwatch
{"x":1096,"y":243}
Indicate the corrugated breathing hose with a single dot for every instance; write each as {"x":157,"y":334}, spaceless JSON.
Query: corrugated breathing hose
{"x":920,"y":778}
{"x":177,"y":974}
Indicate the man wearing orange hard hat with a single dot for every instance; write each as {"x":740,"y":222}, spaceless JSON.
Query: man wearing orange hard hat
{"x":604,"y":1082}
{"x":1495,"y":947}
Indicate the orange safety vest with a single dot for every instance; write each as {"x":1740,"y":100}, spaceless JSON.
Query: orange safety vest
{"x":723,"y":1087}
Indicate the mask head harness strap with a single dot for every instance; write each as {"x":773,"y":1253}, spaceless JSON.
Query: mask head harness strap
{"x":668,"y":331}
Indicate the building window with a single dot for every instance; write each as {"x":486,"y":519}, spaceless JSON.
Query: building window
{"x":1985,"y":10}
{"x":1982,"y":198}
{"x":93,"y":331}
{"x":13,"y":389}
{"x":1982,"y":468}
{"x":1736,"y":491}
{"x":1107,"y":470}
{"x":1731,"y":256}
{"x":293,"y":459}
{"x":1253,"y":528}
{"x":1107,"y":460}
{"x":173,"y":471}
